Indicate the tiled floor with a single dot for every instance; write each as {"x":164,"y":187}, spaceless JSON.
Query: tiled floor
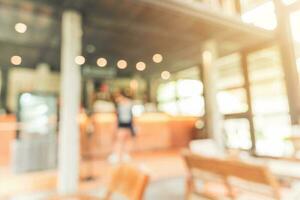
{"x":162,"y":165}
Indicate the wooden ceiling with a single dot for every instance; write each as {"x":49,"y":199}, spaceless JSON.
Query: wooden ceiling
{"x":133,"y":30}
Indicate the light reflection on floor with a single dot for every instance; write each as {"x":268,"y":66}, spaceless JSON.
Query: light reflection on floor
{"x":162,"y":165}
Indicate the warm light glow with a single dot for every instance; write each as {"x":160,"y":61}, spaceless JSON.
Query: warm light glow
{"x":230,"y":102}
{"x":80,"y":60}
{"x":134,"y":84}
{"x":16,"y":60}
{"x":140,"y":66}
{"x":165,"y":75}
{"x":21,"y":27}
{"x":207,"y":57}
{"x":295,"y":26}
{"x":101,"y":62}
{"x":157,"y":58}
{"x":262,"y":16}
{"x":181,"y":97}
{"x":122,"y":64}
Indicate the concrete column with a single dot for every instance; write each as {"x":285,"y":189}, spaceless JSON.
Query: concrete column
{"x":214,"y":119}
{"x":288,"y":60}
{"x":68,"y":156}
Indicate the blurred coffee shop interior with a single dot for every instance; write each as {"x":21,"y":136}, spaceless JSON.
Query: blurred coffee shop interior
{"x":215,"y":94}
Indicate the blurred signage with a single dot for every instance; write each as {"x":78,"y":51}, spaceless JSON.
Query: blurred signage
{"x":97,"y":72}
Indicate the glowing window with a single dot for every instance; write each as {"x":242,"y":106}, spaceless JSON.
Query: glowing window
{"x":262,"y":16}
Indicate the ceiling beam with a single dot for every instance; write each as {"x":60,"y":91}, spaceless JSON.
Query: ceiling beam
{"x":214,"y":17}
{"x":135,"y":46}
{"x":137,"y":27}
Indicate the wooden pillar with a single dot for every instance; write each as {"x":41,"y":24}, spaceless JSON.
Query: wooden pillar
{"x":244,"y":65}
{"x":68,"y":157}
{"x":288,"y":60}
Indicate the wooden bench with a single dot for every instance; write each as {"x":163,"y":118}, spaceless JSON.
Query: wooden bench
{"x":229,"y":178}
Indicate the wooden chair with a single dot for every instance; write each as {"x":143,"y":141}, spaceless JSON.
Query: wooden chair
{"x":129,"y":181}
{"x":232,"y":178}
{"x":207,"y":170}
{"x":126,"y":180}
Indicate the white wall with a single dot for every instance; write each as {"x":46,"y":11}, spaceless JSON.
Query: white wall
{"x":29,"y":80}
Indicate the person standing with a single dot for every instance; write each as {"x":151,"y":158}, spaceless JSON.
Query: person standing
{"x":125,"y":131}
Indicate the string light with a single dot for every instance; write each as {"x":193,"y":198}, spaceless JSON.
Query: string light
{"x":16,"y":60}
{"x":122,"y":64}
{"x":80,"y":60}
{"x":21,"y":27}
{"x":101,"y":62}
{"x":165,"y":75}
{"x":157,"y":58}
{"x":140,"y":66}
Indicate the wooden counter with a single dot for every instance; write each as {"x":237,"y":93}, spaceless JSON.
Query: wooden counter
{"x":161,"y":131}
{"x":98,"y":134}
{"x":182,"y":130}
{"x":154,"y":131}
{"x":7,"y":135}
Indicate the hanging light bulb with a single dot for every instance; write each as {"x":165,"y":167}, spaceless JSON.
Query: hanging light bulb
{"x":165,"y":75}
{"x":16,"y":60}
{"x":80,"y":60}
{"x":157,"y":58}
{"x":101,"y":62}
{"x":140,"y":66}
{"x":122,"y":64}
{"x":21,"y":27}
